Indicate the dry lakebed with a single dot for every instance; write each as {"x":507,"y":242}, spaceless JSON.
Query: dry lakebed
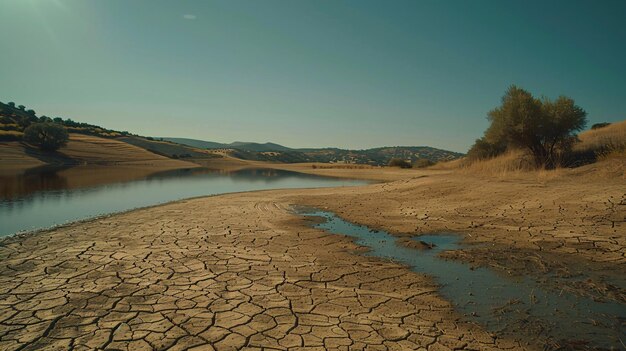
{"x":426,"y":260}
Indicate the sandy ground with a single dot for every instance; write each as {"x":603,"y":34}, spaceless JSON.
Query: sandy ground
{"x":241,"y":270}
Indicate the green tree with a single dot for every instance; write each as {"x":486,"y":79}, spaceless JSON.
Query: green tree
{"x":543,"y":127}
{"x":45,"y":119}
{"x":483,"y":149}
{"x":47,"y":136}
{"x":11,"y":103}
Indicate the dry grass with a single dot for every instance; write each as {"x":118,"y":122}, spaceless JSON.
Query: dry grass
{"x":515,"y":161}
{"x":95,"y":150}
{"x":599,"y":144}
{"x":511,"y":162}
{"x":86,"y":150}
{"x":449,"y":165}
{"x":605,"y":142}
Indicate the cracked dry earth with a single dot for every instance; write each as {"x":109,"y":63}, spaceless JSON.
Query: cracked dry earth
{"x":571,"y":225}
{"x":241,"y":271}
{"x":219,"y":273}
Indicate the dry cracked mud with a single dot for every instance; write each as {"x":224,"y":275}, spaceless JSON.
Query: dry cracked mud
{"x":241,"y":271}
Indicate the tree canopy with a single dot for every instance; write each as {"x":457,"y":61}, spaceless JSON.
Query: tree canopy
{"x":47,"y":136}
{"x":544,"y":127}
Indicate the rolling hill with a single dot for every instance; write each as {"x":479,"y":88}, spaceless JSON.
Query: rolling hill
{"x":240,"y":145}
{"x":14,"y":119}
{"x":278,"y":153}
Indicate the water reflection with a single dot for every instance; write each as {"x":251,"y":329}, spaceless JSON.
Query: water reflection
{"x":49,"y":197}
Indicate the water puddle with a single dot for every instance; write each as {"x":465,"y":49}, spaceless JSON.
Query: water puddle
{"x":504,"y":305}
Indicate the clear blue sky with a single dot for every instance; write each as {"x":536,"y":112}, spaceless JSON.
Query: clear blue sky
{"x":351,"y":74}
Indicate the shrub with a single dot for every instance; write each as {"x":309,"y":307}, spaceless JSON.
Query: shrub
{"x":399,"y":162}
{"x":483,"y":149}
{"x":600,"y":125}
{"x":47,"y":136}
{"x":602,"y":142}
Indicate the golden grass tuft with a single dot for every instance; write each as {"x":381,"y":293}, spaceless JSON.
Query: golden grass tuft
{"x":609,"y":141}
{"x":449,"y":165}
{"x":505,"y":165}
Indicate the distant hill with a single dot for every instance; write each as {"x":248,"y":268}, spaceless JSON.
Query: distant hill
{"x":14,"y":119}
{"x":240,"y":145}
{"x":257,"y":147}
{"x":279,"y":153}
{"x":200,"y":144}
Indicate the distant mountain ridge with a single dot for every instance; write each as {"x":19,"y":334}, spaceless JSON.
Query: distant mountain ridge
{"x":14,"y":119}
{"x":279,"y":153}
{"x":241,"y":145}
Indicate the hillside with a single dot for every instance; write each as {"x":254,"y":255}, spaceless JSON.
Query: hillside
{"x":240,"y":145}
{"x":271,"y":152}
{"x":88,"y":145}
{"x":14,"y":119}
{"x":167,"y":149}
{"x":85,"y":150}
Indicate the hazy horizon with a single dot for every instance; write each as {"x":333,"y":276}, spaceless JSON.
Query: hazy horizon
{"x":347,"y":74}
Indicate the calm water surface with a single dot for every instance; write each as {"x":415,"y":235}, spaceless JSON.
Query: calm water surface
{"x":43,"y":199}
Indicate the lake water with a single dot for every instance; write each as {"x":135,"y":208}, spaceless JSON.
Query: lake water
{"x":43,"y":199}
{"x":504,"y":304}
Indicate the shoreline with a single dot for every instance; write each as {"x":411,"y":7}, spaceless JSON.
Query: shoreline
{"x":238,"y":230}
{"x":230,"y":239}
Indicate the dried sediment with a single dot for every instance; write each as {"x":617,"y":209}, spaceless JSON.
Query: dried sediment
{"x":241,"y":271}
{"x":229,"y":272}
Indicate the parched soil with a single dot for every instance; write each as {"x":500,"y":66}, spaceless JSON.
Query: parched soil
{"x":218,"y":273}
{"x":241,"y":271}
{"x":569,"y":226}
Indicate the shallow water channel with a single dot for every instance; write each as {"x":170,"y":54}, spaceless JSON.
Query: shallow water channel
{"x":504,"y":305}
